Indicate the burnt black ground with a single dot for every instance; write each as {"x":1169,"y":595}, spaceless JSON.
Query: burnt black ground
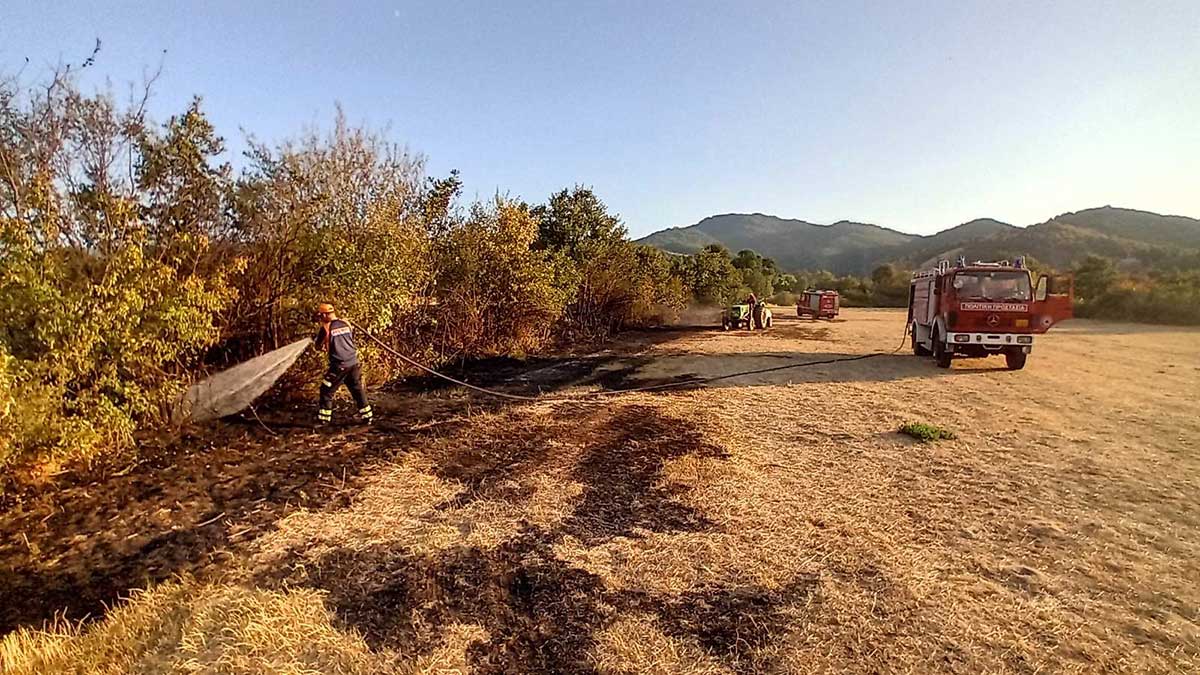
{"x":541,"y":613}
{"x":75,"y":550}
{"x":94,"y":522}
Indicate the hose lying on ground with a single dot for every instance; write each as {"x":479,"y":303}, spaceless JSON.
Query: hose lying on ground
{"x":690,"y":382}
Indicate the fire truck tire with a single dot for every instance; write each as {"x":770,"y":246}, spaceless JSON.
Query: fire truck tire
{"x":1015,"y":360}
{"x":940,"y":355}
{"x":918,"y":349}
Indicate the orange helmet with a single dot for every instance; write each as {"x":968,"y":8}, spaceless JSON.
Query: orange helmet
{"x":324,"y":308}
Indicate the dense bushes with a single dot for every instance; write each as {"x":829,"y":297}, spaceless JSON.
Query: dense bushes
{"x":1104,"y":291}
{"x":108,"y":293}
{"x":495,"y":292}
{"x":132,"y":261}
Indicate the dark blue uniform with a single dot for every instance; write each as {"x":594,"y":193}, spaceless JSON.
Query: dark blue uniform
{"x":337,"y":340}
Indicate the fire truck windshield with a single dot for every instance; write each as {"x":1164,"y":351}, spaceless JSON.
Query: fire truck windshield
{"x":996,"y":286}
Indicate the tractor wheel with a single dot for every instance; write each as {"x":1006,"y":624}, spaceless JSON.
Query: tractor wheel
{"x":918,"y":349}
{"x":769,"y":322}
{"x":940,"y":355}
{"x":1015,"y":360}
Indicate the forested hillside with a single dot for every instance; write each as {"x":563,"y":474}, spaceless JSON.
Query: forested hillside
{"x":844,"y":247}
{"x":1136,"y":238}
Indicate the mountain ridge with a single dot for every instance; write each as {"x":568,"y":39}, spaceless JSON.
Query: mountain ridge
{"x":851,"y":247}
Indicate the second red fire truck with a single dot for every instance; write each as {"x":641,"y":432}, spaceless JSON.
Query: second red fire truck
{"x":983,"y":309}
{"x":818,"y":304}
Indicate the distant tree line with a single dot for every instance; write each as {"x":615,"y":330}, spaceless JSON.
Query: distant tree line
{"x":1168,"y":295}
{"x":1104,"y":288}
{"x":716,"y":277}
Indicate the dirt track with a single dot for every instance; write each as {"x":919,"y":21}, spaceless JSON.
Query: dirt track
{"x":775,"y":522}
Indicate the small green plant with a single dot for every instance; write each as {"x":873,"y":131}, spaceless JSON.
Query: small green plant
{"x":926,"y":433}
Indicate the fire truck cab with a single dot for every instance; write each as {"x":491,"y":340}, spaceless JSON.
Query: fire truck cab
{"x":982,"y":309}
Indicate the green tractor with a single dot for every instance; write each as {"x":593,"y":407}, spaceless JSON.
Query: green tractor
{"x":743,"y":316}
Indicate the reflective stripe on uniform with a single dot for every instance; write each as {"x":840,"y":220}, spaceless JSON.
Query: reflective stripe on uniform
{"x":366,"y":412}
{"x":325,"y":415}
{"x":326,"y":383}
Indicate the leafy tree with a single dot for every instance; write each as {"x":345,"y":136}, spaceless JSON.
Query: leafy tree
{"x":757,"y":273}
{"x":788,"y":283}
{"x":437,"y":203}
{"x":577,"y":223}
{"x":821,"y":279}
{"x":711,"y":276}
{"x":1094,"y":278}
{"x":616,"y":283}
{"x":889,"y":286}
{"x":185,"y":192}
{"x":659,"y":293}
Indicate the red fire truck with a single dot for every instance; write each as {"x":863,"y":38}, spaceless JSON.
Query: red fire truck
{"x":818,"y":304}
{"x":982,"y":309}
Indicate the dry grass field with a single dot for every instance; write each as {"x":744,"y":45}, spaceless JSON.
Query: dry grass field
{"x":772,"y":523}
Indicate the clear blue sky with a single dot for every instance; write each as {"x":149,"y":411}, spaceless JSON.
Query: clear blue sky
{"x":917,"y":117}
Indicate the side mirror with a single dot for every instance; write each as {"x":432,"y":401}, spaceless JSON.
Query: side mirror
{"x":1040,"y":293}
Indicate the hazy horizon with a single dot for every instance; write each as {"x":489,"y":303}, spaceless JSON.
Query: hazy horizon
{"x":923,"y":234}
{"x":912,"y":119}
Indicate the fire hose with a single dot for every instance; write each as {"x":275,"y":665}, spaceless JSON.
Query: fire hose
{"x":690,"y":382}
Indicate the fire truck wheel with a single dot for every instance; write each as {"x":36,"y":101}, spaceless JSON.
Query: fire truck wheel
{"x":1015,"y":360}
{"x":940,"y":355}
{"x":918,"y":349}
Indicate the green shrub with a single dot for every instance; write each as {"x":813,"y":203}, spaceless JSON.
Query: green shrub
{"x":88,"y":360}
{"x":710,"y":276}
{"x":926,"y":433}
{"x":495,"y":293}
{"x":109,"y":290}
{"x":1170,"y":297}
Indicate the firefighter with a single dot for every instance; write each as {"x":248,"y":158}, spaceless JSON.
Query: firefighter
{"x":755,"y":320}
{"x":336,"y":338}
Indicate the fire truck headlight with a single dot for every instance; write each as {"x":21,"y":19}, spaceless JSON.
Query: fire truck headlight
{"x":962,"y":338}
{"x":1025,"y":339}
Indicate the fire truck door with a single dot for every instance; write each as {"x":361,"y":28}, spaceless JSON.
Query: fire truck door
{"x":1054,"y":300}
